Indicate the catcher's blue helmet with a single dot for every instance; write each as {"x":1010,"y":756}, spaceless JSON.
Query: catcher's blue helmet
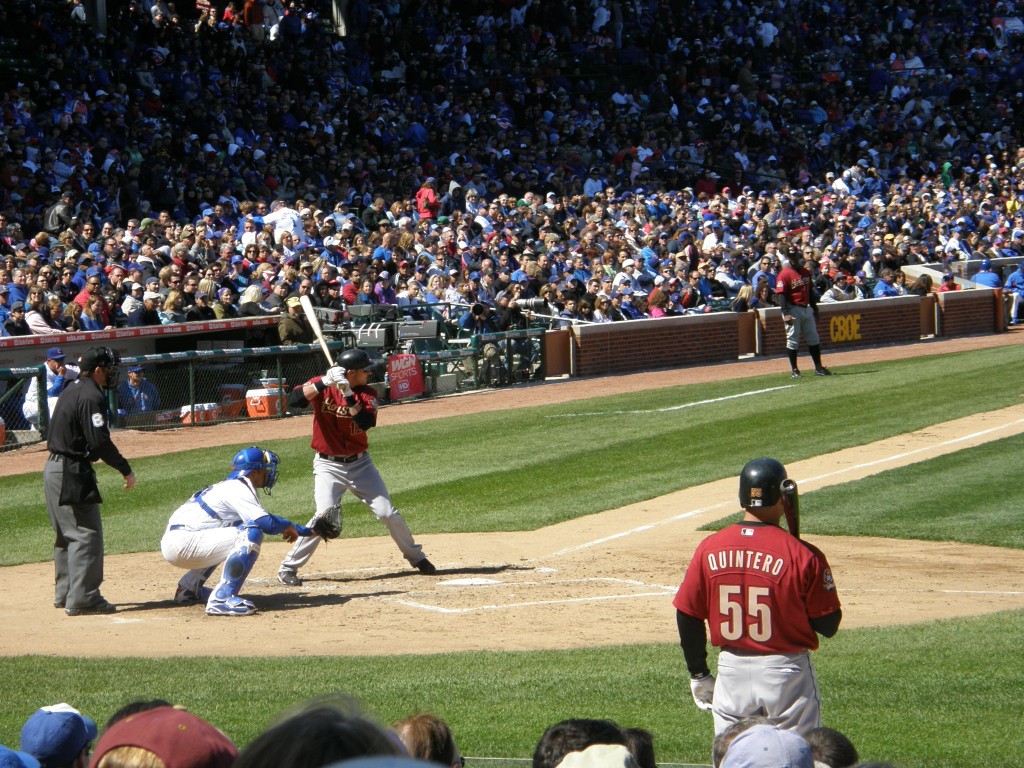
{"x":248,"y":459}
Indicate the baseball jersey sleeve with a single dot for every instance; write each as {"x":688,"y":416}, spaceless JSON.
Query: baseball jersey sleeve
{"x":822,"y":597}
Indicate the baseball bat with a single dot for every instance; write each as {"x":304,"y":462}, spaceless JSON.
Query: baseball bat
{"x":791,"y":506}
{"x":314,"y":323}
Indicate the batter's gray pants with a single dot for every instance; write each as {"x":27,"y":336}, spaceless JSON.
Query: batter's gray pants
{"x":361,"y":478}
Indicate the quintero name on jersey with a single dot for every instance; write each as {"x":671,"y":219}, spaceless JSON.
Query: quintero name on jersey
{"x":748,"y":559}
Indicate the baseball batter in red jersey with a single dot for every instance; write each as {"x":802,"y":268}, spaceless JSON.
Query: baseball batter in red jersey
{"x":766,"y":596}
{"x":795,"y":288}
{"x":344,"y":408}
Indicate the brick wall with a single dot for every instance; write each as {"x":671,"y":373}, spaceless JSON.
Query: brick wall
{"x":963,"y":313}
{"x":847,"y":324}
{"x":664,"y":343}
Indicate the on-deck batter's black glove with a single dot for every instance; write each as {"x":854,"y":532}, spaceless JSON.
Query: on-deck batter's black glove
{"x":327,"y":524}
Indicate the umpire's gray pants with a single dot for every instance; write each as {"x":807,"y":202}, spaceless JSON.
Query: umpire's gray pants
{"x":78,"y":546}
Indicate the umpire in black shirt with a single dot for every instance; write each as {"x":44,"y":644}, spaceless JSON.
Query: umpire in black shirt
{"x":79,"y":435}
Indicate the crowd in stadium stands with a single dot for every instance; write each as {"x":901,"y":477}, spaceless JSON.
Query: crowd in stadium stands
{"x":333,"y":731}
{"x":618,"y":159}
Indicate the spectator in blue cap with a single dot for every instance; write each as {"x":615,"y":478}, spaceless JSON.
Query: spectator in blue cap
{"x":58,"y":736}
{"x":58,"y":376}
{"x":1015,"y":285}
{"x":986,"y":278}
{"x":10,"y":758}
{"x":137,"y":394}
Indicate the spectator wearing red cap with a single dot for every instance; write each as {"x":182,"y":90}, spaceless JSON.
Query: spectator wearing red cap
{"x":165,"y":736}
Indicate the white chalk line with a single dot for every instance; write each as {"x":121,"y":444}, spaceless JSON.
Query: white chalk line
{"x":916,"y":451}
{"x":529,"y":603}
{"x":837,"y":473}
{"x":642,"y":528}
{"x":671,"y":407}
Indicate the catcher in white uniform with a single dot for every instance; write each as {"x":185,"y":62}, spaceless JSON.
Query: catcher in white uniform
{"x":225,"y":523}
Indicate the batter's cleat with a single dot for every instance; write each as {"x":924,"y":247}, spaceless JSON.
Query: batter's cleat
{"x":96,"y":609}
{"x":232,"y":606}
{"x":187,"y":597}
{"x":795,"y":374}
{"x":823,"y":371}
{"x":289,"y":578}
{"x":426,"y":567}
{"x":58,"y":603}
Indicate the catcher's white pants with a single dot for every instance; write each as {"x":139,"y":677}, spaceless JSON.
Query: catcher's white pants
{"x":781,"y":687}
{"x":198,"y":552}
{"x":330,"y":481}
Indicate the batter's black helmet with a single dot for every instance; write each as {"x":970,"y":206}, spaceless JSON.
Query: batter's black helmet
{"x":355,"y":360}
{"x":761,"y":483}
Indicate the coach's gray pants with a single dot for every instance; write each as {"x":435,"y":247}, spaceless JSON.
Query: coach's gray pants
{"x":78,"y":546}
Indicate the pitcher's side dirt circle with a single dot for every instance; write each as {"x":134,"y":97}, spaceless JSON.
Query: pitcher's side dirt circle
{"x":605,"y":579}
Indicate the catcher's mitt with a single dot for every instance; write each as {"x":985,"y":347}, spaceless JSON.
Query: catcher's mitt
{"x":327,"y":524}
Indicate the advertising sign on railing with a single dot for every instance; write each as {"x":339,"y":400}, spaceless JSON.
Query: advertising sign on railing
{"x":405,"y":377}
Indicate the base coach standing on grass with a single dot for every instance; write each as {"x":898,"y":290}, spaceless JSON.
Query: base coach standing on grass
{"x":795,"y":289}
{"x":80,"y":435}
{"x":766,"y":596}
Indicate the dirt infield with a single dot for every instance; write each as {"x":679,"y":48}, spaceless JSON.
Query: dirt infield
{"x":601,"y":580}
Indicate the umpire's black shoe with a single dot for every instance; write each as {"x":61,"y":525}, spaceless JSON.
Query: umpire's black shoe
{"x":96,"y":609}
{"x":289,"y":578}
{"x":823,"y":371}
{"x":426,"y":567}
{"x":795,"y":374}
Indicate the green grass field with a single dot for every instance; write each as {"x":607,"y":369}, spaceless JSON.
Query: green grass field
{"x":941,"y":695}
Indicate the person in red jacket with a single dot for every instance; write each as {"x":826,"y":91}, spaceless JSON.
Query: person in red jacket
{"x":427,"y":201}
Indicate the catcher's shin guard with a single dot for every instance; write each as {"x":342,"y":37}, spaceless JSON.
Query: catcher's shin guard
{"x":238,"y":564}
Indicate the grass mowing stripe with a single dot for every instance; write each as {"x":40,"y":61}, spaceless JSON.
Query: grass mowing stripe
{"x":963,"y":496}
{"x":909,"y":695}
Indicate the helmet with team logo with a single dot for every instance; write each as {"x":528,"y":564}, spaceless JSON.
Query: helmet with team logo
{"x":761,"y":483}
{"x":253,"y":458}
{"x":355,"y":360}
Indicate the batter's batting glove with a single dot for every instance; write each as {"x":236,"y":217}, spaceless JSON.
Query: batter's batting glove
{"x":703,"y":690}
{"x":335,"y":377}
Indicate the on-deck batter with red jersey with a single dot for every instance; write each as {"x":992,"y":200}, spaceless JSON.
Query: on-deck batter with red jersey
{"x":766,"y":596}
{"x":344,"y":409}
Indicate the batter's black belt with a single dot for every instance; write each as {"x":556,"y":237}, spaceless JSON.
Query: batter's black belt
{"x":342,"y":459}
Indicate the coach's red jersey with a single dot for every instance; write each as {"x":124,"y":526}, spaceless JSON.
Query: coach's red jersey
{"x":334,"y":431}
{"x":796,"y":283}
{"x":758,"y":587}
